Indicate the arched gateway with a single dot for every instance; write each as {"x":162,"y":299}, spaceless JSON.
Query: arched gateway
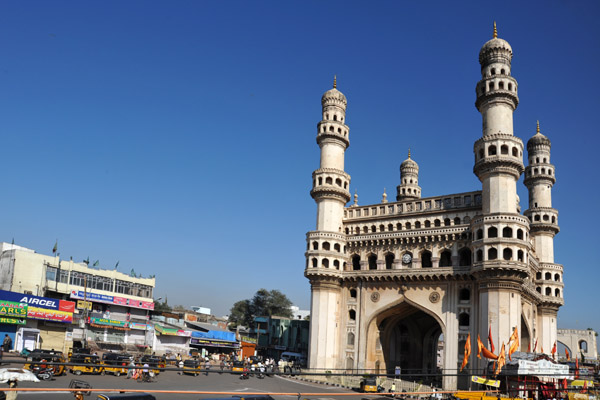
{"x":389,"y":279}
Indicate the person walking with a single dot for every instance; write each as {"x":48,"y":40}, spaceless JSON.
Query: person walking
{"x":206,"y":367}
{"x":7,"y":343}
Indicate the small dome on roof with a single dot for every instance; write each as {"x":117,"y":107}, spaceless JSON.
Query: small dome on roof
{"x":409,"y":163}
{"x":333,"y":96}
{"x":537,"y":139}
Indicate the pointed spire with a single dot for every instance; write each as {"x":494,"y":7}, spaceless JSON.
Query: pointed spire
{"x":384,"y":198}
{"x":538,"y":126}
{"x":495,"y":31}
{"x":409,"y":153}
{"x":335,"y":81}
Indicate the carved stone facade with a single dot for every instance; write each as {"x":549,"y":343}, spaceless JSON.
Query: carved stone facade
{"x":388,"y":279}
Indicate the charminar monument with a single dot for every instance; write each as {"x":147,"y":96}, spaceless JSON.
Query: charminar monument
{"x":388,"y":279}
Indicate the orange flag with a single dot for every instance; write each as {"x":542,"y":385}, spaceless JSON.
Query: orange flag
{"x":567,"y":354}
{"x":553,"y":350}
{"x":492,"y":349}
{"x":467,"y":353}
{"x":501,"y":360}
{"x":481,"y":349}
{"x":513,"y":347}
{"x":577,"y":368}
{"x":529,"y":347}
{"x":535,"y":345}
{"x":514,"y":336}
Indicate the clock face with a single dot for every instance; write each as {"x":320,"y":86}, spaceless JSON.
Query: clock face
{"x":406,"y":258}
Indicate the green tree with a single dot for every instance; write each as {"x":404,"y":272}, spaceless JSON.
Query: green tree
{"x":264,"y":303}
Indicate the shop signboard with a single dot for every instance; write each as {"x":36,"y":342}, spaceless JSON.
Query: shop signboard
{"x":82,"y":304}
{"x":171,"y":331}
{"x":214,"y":343}
{"x":37,"y":301}
{"x":47,"y":314}
{"x":485,"y":381}
{"x":109,"y":322}
{"x":13,"y":321}
{"x":247,"y":339}
{"x":137,"y":325}
{"x":102,"y":298}
{"x":13,"y":309}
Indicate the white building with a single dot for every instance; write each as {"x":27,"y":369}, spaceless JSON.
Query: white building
{"x":117,"y":308}
{"x":388,"y":279}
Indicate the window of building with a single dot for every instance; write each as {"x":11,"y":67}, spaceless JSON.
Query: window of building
{"x":426,"y":259}
{"x":446,"y":259}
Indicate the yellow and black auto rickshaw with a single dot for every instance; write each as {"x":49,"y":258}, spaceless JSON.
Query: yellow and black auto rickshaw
{"x":115,"y":363}
{"x":238,"y":366}
{"x":39,"y":357}
{"x":90,"y":364}
{"x":369,"y":384}
{"x":191,"y":366}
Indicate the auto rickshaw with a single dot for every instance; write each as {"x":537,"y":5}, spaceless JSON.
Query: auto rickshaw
{"x":369,"y":384}
{"x":191,"y":366}
{"x":154,"y":362}
{"x":238,"y":366}
{"x":91,"y":364}
{"x":36,"y":356}
{"x":115,"y":363}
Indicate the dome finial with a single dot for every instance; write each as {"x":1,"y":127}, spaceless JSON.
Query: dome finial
{"x":409,"y":153}
{"x":538,"y":126}
{"x":384,"y":197}
{"x":495,"y":31}
{"x":355,"y":197}
{"x":335,"y":81}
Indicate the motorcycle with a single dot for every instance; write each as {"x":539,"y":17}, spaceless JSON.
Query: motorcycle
{"x":43,"y":374}
{"x":261,"y":373}
{"x":245,"y":375}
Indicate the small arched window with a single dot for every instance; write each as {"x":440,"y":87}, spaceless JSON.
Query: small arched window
{"x":447,"y":222}
{"x":464,"y":295}
{"x":381,"y":228}
{"x":399,"y":226}
{"x":548,"y":291}
{"x":437,"y":222}
{"x":446,"y":258}
{"x":417,"y":225}
{"x":492,"y":232}
{"x":315,"y":245}
{"x":538,"y":289}
{"x":389,"y":261}
{"x":337,"y":247}
{"x":507,"y":232}
{"x":520,"y":256}
{"x":463,"y":319}
{"x":557,"y":292}
{"x":356,"y":262}
{"x":492,"y":254}
{"x":325,"y":263}
{"x":426,"y":259}
{"x":464,"y":257}
{"x":492,"y":150}
{"x":352,"y":315}
{"x":350,"y":339}
{"x":507,"y":254}
{"x":372,"y":261}
{"x":427,"y":223}
{"x":314,"y":263}
{"x":548,"y":276}
{"x":583,"y":346}
{"x":457,"y":221}
{"x":390,"y":227}
{"x":326,"y":246}
{"x":329,"y":180}
{"x":479,"y":234}
{"x":515,"y":152}
{"x":538,"y":275}
{"x":408,"y":226}
{"x":353,"y":293}
{"x":557,"y":277}
{"x":501,"y":85}
{"x":479,"y":255}
{"x":520,"y":234}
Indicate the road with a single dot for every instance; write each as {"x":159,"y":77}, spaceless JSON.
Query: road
{"x":170,"y":380}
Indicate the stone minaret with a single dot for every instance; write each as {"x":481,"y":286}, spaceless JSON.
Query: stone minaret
{"x":409,"y":180}
{"x":539,"y":179}
{"x":500,"y":245}
{"x":326,"y":246}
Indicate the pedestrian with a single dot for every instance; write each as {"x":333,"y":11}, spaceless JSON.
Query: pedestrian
{"x":131,"y":369}
{"x":222,"y":365}
{"x":206,"y":366}
{"x":7,"y":343}
{"x":393,"y":389}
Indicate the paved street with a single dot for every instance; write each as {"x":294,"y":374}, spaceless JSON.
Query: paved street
{"x":170,"y":380}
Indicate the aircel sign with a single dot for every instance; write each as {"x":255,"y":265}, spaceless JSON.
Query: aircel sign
{"x":37,"y":301}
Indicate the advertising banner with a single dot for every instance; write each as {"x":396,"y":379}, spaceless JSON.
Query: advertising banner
{"x":82,"y":304}
{"x":137,"y":325}
{"x":13,"y":309}
{"x":102,"y":298}
{"x":37,"y":301}
{"x":47,"y":314}
{"x":14,"y":321}
{"x":214,"y":343}
{"x":109,"y":322}
{"x":172,"y":332}
{"x":484,"y":381}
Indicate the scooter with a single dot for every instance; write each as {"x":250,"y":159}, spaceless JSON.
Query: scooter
{"x":261,"y":373}
{"x":245,"y":375}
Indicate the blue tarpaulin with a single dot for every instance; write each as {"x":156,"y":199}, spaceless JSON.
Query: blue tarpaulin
{"x":219,"y":335}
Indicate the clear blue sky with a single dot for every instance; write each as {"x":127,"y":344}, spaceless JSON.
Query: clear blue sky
{"x":179,"y":137}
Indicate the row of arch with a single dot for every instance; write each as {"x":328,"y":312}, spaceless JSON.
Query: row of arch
{"x":357,"y":230}
{"x":325,"y":263}
{"x":329,"y":181}
{"x":501,"y":86}
{"x":492,"y":150}
{"x":332,"y":129}
{"x":548,"y":291}
{"x":445,"y":259}
{"x":536,"y":171}
{"x":492,"y":232}
{"x":537,"y":160}
{"x":327,"y":246}
{"x":547,"y":276}
{"x":492,"y":71}
{"x":544,"y":217}
{"x":507,"y":255}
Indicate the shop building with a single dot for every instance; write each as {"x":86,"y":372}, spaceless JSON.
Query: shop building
{"x":112,"y":309}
